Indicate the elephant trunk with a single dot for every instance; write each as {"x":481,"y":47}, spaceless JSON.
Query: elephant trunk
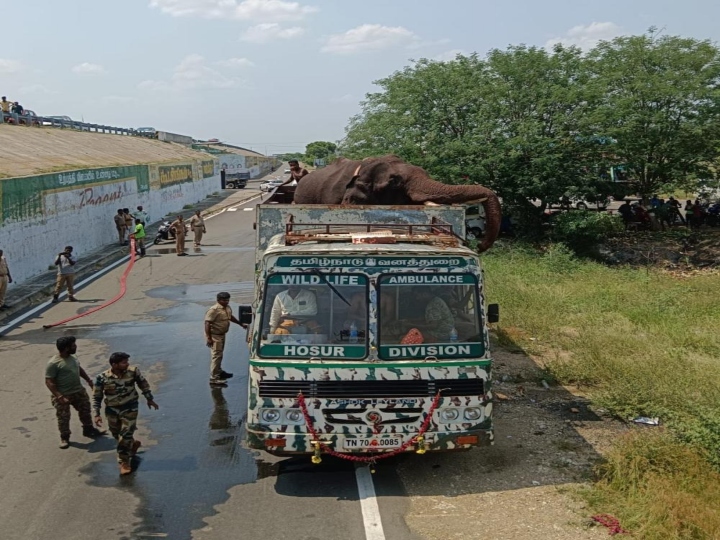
{"x":424,"y":190}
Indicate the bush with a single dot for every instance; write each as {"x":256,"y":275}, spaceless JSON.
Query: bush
{"x":584,"y":231}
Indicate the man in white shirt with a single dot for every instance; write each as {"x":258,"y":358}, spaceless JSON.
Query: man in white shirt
{"x":65,"y":262}
{"x":142,"y":216}
{"x":295,"y":302}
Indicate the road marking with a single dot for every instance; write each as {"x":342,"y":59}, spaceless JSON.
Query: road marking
{"x":45,"y":305}
{"x":369,"y":505}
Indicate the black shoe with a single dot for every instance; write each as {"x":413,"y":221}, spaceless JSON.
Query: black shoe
{"x":55,"y":299}
{"x":225,"y":375}
{"x":93,"y":432}
{"x":182,"y":254}
{"x":4,"y":306}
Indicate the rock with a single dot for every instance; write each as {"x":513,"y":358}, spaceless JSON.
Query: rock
{"x":501,"y":397}
{"x":574,"y":410}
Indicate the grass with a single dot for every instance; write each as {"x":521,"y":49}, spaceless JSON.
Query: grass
{"x":642,"y":343}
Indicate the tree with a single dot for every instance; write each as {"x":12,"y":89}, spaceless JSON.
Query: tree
{"x":320,"y":150}
{"x":659,"y":101}
{"x":513,"y":121}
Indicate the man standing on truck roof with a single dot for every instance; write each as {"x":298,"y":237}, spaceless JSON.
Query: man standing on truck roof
{"x":297,"y":172}
{"x":217,"y":325}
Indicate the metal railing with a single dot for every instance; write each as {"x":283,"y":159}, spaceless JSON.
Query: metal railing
{"x":44,"y":121}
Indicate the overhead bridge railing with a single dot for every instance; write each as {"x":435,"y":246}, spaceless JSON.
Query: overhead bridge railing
{"x":44,"y":121}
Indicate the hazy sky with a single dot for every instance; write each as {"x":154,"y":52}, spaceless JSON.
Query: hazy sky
{"x":273,"y":74}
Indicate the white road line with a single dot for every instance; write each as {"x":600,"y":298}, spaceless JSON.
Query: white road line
{"x":369,"y":505}
{"x":78,"y":286}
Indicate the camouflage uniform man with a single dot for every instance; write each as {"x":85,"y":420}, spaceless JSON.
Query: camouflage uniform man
{"x":179,"y":226}
{"x":117,"y":386}
{"x":62,"y":377}
{"x":217,"y":324}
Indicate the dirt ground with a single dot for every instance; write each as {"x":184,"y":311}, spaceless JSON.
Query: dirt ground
{"x":546,"y":443}
{"x":676,"y":250}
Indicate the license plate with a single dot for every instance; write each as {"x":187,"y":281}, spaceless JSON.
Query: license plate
{"x":374,"y":444}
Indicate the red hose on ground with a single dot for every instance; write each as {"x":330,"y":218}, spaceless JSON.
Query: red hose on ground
{"x":123,"y":289}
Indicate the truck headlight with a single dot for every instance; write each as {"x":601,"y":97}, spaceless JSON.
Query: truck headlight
{"x":270,"y":416}
{"x":448,"y":415}
{"x":294,"y":416}
{"x":472,"y":413}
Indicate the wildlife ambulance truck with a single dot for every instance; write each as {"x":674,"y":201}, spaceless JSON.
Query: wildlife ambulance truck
{"x":368,"y":333}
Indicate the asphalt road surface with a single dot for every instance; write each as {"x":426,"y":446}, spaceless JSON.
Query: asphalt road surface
{"x":194,"y":477}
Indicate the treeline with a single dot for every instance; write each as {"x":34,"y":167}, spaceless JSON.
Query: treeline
{"x":532,"y":123}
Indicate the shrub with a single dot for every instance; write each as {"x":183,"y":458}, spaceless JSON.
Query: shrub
{"x":584,"y":231}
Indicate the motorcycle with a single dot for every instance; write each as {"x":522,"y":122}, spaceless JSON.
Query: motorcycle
{"x":166,"y":233}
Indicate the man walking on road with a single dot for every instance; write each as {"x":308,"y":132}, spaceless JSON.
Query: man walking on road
{"x":120,"y":226}
{"x":217,"y":324}
{"x":179,"y":226}
{"x":62,"y":377}
{"x":5,"y":278}
{"x":197,"y":224}
{"x":118,"y":386}
{"x":65,"y":263}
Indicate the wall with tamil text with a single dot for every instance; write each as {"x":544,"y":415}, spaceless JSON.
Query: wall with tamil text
{"x":39,"y":215}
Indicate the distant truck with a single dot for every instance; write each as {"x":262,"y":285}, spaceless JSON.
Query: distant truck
{"x":368,"y":333}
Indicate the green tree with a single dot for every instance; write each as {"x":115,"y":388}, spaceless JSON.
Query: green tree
{"x":659,"y":101}
{"x":320,"y":150}
{"x":514,"y":121}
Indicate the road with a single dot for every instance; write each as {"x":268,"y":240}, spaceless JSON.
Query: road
{"x":194,"y":477}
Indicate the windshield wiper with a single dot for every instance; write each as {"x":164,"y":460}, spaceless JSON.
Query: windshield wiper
{"x":322,"y":276}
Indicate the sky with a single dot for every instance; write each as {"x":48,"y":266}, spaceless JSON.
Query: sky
{"x":274,"y":75}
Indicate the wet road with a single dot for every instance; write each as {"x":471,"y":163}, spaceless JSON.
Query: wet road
{"x":194,"y":478}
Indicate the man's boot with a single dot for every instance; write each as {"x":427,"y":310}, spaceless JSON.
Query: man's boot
{"x":92,"y":432}
{"x":64,"y":443}
{"x":125,"y":468}
{"x":55,"y":299}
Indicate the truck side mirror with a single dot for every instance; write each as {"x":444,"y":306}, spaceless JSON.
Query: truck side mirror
{"x":493,"y":313}
{"x":245,"y":314}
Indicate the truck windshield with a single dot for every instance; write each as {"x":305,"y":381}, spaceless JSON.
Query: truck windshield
{"x":429,"y":315}
{"x":315,"y":316}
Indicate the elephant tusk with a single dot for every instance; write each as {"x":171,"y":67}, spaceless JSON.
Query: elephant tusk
{"x":430,"y":203}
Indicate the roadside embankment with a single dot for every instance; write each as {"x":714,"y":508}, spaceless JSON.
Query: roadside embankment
{"x":63,"y":188}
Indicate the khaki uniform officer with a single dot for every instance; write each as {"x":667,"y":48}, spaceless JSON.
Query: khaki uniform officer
{"x":217,"y":324}
{"x":120,"y":226}
{"x":197,"y":224}
{"x":5,"y":278}
{"x":179,"y":226}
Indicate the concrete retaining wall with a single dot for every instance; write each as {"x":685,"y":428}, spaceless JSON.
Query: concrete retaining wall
{"x":39,"y":215}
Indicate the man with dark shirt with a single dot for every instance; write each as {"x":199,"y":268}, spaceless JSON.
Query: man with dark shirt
{"x":62,"y":377}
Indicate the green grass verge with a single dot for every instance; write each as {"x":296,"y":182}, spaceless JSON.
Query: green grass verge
{"x":640,"y":341}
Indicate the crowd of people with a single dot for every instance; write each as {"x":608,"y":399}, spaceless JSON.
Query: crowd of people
{"x":661,"y":213}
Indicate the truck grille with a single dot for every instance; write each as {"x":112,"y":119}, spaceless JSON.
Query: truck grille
{"x":370,"y":389}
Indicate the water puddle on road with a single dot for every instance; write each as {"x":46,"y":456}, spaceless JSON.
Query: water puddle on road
{"x":192,"y":453}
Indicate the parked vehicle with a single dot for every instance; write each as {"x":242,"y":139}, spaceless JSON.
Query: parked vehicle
{"x":581,"y":204}
{"x":57,"y":119}
{"x":165,"y":233}
{"x":271,"y":184}
{"x":236,"y":183}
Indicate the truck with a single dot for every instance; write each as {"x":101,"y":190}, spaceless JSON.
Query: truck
{"x":368,"y":334}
